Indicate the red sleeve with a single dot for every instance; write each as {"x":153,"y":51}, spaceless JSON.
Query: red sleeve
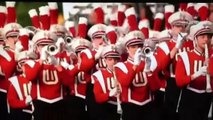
{"x":100,"y":96}
{"x":123,"y":78}
{"x":32,"y":72}
{"x":13,"y":98}
{"x":7,"y":67}
{"x":68,"y":76}
{"x":162,"y":59}
{"x":182,"y":78}
{"x":87,"y":61}
{"x":154,"y":81}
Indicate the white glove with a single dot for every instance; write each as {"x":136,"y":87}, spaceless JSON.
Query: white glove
{"x":28,"y":100}
{"x":202,"y":71}
{"x":52,"y":60}
{"x":147,"y":64}
{"x":181,"y":37}
{"x":43,"y":53}
{"x":66,"y":65}
{"x":99,"y":52}
{"x":138,"y":56}
{"x":18,"y":46}
{"x":113,"y":92}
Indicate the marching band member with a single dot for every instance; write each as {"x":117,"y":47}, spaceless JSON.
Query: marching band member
{"x":47,"y":77}
{"x":135,"y":85}
{"x":191,"y":74}
{"x":19,"y":91}
{"x":7,"y":63}
{"x":75,"y":100}
{"x":105,"y":88}
{"x":165,"y":58}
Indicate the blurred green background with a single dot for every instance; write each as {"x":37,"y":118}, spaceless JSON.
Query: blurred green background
{"x":22,"y":9}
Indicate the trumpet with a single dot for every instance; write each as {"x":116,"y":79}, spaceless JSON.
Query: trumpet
{"x":52,"y":49}
{"x":208,"y":80}
{"x":147,"y":51}
{"x":68,"y":39}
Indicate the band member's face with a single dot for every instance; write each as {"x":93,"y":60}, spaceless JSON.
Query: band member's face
{"x":110,"y":61}
{"x":1,"y":42}
{"x":39,"y":48}
{"x":11,"y":41}
{"x":98,"y":42}
{"x":178,"y":28}
{"x":132,"y":49}
{"x":203,"y":39}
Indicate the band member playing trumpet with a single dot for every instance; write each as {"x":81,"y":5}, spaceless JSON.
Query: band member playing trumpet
{"x":135,"y":83}
{"x":105,"y":88}
{"x":191,"y":72}
{"x":47,"y":77}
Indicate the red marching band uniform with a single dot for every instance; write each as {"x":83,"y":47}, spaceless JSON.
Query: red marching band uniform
{"x":60,"y":75}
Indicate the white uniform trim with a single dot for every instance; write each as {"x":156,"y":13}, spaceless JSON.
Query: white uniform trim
{"x":88,"y":53}
{"x":100,"y":79}
{"x":185,"y":59}
{"x":31,"y":63}
{"x":48,"y":100}
{"x":4,"y":54}
{"x":15,"y":83}
{"x":122,"y":66}
{"x":153,"y":65}
{"x":136,"y":102}
{"x":76,"y":90}
{"x":195,"y":90}
{"x":164,"y":47}
{"x":2,"y":90}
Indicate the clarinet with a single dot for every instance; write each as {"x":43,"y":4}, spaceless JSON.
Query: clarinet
{"x":208,"y":81}
{"x":119,"y":109}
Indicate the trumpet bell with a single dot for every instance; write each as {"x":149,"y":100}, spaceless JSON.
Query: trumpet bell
{"x":52,"y":49}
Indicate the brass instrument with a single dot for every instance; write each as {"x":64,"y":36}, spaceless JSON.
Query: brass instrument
{"x":52,"y":49}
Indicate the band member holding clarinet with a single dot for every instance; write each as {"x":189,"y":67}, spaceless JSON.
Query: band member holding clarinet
{"x":193,"y":76}
{"x":19,"y":93}
{"x":106,"y":86}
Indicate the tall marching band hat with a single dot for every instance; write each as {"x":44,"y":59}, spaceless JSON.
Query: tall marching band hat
{"x":169,"y":9}
{"x":97,"y":31}
{"x":111,"y":51}
{"x":133,"y":38}
{"x":58,"y":29}
{"x":78,"y":44}
{"x":202,"y":10}
{"x":11,"y":29}
{"x":180,"y":18}
{"x":44,"y":17}
{"x":99,"y":13}
{"x":11,"y":12}
{"x":70,"y":26}
{"x":203,"y":27}
{"x":111,"y":34}
{"x":130,"y":14}
{"x":144,"y":27}
{"x":82,"y":27}
{"x":53,"y":10}
{"x":3,"y":12}
{"x":44,"y":37}
{"x":34,"y":18}
{"x":23,"y":51}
